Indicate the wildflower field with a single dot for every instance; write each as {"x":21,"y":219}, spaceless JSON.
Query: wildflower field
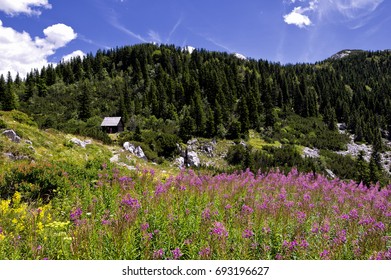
{"x":113,"y":214}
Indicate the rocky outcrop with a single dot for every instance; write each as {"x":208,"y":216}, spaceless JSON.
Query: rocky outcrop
{"x":12,"y":136}
{"x":137,"y":151}
{"x":80,"y":143}
{"x":12,"y":156}
{"x":312,"y":153}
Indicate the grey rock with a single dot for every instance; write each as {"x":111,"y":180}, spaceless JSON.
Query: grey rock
{"x":208,"y":149}
{"x":137,"y":151}
{"x":80,"y":143}
{"x":180,"y":162}
{"x":129,"y":147}
{"x":312,"y":153}
{"x":12,"y":156}
{"x":12,"y":136}
{"x":140,"y":153}
{"x":192,"y":159}
{"x":28,"y":142}
{"x":330,"y":173}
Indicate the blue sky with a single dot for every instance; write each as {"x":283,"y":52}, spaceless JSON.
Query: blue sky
{"x":36,"y":32}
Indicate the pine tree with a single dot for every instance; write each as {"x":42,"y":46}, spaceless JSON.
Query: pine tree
{"x":3,"y":88}
{"x":362,"y":169}
{"x":85,"y":100}
{"x":10,"y":101}
{"x":187,"y":126}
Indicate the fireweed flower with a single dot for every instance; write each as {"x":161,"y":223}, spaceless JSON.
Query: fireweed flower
{"x":144,"y":227}
{"x":247,"y":209}
{"x":247,"y":233}
{"x":219,"y":230}
{"x":205,"y":214}
{"x":304,"y":244}
{"x":324,"y":255}
{"x":301,"y":216}
{"x":130,"y":202}
{"x":205,"y":252}
{"x":176,"y":253}
{"x":353,"y":214}
{"x":158,"y":254}
{"x":75,"y":215}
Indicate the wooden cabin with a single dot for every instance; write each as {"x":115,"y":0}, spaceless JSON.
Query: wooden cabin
{"x":112,"y":125}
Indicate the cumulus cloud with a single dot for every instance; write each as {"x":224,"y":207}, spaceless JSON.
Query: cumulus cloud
{"x":297,"y":17}
{"x":74,"y":54}
{"x":29,"y":7}
{"x":19,"y":53}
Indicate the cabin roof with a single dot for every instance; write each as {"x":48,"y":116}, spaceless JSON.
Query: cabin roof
{"x":111,"y":121}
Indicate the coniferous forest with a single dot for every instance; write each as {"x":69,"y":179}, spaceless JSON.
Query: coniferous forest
{"x":206,"y":94}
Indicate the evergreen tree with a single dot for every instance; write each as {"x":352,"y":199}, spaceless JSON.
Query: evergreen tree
{"x":10,"y":101}
{"x":362,"y":169}
{"x":3,"y":88}
{"x":85,"y":101}
{"x":187,"y":125}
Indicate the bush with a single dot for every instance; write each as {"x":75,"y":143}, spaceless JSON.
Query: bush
{"x":34,"y":181}
{"x":236,"y":154}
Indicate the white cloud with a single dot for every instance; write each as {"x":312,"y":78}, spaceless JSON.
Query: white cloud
{"x":77,"y":53}
{"x":323,"y":10}
{"x":350,"y":9}
{"x":19,"y":53}
{"x":30,"y":7}
{"x":296,"y":17}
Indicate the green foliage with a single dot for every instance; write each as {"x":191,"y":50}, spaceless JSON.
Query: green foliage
{"x":237,"y":154}
{"x":2,"y":124}
{"x":22,"y":118}
{"x":34,"y":181}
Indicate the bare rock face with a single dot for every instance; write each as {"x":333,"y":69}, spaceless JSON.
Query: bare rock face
{"x":12,"y":136}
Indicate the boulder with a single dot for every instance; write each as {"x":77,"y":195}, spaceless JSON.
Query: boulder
{"x":12,"y":136}
{"x":140,"y":153}
{"x":180,"y":162}
{"x":208,"y":149}
{"x":129,"y":147}
{"x":137,"y":151}
{"x":192,"y":159}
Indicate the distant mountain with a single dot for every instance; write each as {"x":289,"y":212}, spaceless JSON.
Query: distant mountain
{"x":189,"y":49}
{"x":345,"y":53}
{"x":240,"y":56}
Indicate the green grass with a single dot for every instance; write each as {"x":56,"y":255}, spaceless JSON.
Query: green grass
{"x":258,"y":143}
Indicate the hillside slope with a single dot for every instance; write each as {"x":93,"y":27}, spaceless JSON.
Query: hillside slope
{"x":59,"y":200}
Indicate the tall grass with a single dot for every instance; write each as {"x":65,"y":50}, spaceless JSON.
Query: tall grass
{"x":195,"y":216}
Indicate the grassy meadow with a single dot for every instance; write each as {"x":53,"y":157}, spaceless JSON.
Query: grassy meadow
{"x":65,"y":202}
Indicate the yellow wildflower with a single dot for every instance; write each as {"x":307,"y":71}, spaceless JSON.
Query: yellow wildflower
{"x":2,"y":236}
{"x":39,"y":227}
{"x":16,"y":198}
{"x":4,"y":206}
